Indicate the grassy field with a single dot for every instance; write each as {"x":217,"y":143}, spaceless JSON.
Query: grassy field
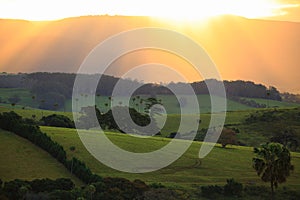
{"x":169,"y":102}
{"x":273,"y":103}
{"x":187,"y":172}
{"x":29,"y":112}
{"x":25,"y":96}
{"x":20,"y":159}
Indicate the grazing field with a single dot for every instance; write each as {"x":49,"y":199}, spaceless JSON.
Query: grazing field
{"x":273,"y":103}
{"x":20,"y":159}
{"x":24,"y":95}
{"x":28,"y":112}
{"x":188,"y":172}
{"x":170,"y":103}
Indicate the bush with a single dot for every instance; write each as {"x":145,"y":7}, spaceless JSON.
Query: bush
{"x":211,"y":191}
{"x":156,"y":185}
{"x":233,"y":188}
{"x":253,"y":190}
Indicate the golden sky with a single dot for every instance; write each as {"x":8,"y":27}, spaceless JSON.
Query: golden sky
{"x":181,"y":10}
{"x":256,"y":50}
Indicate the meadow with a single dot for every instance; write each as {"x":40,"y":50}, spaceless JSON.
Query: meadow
{"x":20,"y":159}
{"x":188,"y":172}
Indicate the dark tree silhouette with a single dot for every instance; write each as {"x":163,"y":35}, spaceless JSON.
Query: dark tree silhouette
{"x":272,"y":164}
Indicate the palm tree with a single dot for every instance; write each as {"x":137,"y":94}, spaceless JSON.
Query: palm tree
{"x":272,"y":164}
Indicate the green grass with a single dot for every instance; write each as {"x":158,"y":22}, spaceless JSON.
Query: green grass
{"x":186,"y":172}
{"x":273,"y":103}
{"x":20,"y":159}
{"x":28,"y":112}
{"x":25,"y":96}
{"x":169,"y":102}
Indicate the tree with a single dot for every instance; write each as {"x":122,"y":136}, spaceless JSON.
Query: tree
{"x":272,"y":164}
{"x":228,"y":136}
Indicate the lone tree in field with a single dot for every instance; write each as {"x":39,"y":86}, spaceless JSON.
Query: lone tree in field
{"x":272,"y":164}
{"x":228,"y":136}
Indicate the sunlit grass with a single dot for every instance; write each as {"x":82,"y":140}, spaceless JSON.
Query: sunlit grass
{"x":20,"y":159}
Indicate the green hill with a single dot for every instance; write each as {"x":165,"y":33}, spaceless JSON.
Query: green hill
{"x":20,"y":159}
{"x":187,"y":172}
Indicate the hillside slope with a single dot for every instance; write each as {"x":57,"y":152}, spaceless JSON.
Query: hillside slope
{"x":187,"y":172}
{"x":20,"y":159}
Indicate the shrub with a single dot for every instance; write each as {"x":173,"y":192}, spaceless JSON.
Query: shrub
{"x":156,"y":185}
{"x":211,"y":191}
{"x":233,"y":188}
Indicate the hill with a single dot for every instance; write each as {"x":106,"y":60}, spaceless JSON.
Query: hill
{"x":187,"y":172}
{"x":20,"y":159}
{"x":242,"y":49}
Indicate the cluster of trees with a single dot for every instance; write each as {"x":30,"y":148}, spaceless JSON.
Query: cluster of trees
{"x":12,"y":80}
{"x":228,"y":136}
{"x":62,"y":188}
{"x":284,"y":126}
{"x":288,"y":97}
{"x":107,"y":120}
{"x":247,"y":102}
{"x":57,"y":121}
{"x":21,"y":189}
{"x":14,"y":123}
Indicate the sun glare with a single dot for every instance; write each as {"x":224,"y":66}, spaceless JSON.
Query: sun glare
{"x":198,"y":10}
{"x":169,"y":9}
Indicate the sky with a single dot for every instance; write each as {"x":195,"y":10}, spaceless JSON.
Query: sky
{"x":262,"y":52}
{"x":288,"y":10}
